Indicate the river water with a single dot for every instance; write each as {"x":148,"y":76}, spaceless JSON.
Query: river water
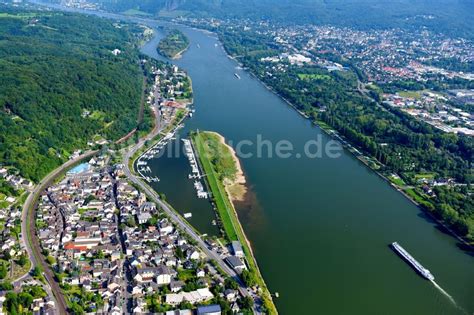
{"x":319,"y":227}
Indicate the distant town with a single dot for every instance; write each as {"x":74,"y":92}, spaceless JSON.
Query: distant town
{"x":385,"y":58}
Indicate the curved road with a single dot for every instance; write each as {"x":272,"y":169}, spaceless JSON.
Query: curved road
{"x":32,"y":245}
{"x":28,"y":234}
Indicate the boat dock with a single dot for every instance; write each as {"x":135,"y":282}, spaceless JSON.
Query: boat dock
{"x":195,"y":173}
{"x":152,"y":152}
{"x":412,"y":261}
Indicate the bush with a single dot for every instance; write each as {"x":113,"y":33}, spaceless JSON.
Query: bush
{"x":22,"y":260}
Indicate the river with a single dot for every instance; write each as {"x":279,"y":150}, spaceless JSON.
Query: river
{"x":319,"y":228}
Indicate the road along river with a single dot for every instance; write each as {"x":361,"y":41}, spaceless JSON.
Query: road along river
{"x":319,"y":227}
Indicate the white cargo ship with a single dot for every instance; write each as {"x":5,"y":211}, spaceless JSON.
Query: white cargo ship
{"x":412,"y":261}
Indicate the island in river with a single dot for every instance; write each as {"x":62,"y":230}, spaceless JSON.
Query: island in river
{"x":173,"y":45}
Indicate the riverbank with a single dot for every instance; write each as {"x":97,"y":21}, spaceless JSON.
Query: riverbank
{"x":369,"y":161}
{"x":179,"y":54}
{"x":236,"y":188}
{"x":222,"y":200}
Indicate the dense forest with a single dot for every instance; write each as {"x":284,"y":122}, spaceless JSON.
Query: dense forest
{"x":62,"y":86}
{"x":399,"y":143}
{"x":173,"y":44}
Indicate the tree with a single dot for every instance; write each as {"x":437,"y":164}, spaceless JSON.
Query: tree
{"x":3,"y":271}
{"x":36,"y":291}
{"x":11,"y":303}
{"x":76,"y":309}
{"x":6,"y":286}
{"x":190,"y":286}
{"x":224,"y":304}
{"x":99,"y":254}
{"x":131,"y":222}
{"x":154,"y":220}
{"x":50,"y":259}
{"x":36,"y":272}
{"x":6,"y":255}
{"x":230,"y":283}
{"x":246,"y":302}
{"x":25,"y":299}
{"x":179,"y":253}
{"x":185,"y":305}
{"x":22,"y":260}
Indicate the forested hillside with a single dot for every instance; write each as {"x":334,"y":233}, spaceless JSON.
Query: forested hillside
{"x":451,"y":16}
{"x":61,"y":86}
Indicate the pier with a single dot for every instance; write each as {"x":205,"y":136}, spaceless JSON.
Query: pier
{"x":195,"y":173}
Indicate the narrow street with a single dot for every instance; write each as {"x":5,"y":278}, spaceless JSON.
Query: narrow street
{"x":127,"y":287}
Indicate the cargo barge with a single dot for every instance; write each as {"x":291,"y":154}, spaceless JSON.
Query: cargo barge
{"x":412,"y":261}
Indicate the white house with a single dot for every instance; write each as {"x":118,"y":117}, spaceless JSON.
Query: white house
{"x":237,"y":249}
{"x":163,"y":275}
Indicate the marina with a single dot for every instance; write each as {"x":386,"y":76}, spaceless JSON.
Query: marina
{"x":154,"y":152}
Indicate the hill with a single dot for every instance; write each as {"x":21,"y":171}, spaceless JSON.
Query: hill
{"x":61,"y":86}
{"x":445,"y":16}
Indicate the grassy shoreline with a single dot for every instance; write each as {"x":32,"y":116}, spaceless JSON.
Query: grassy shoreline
{"x":228,"y":215}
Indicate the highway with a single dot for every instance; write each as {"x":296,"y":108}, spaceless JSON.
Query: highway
{"x":31,"y":242}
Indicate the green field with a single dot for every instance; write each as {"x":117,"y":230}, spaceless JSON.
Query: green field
{"x":410,"y":94}
{"x":418,"y":197}
{"x":172,"y":14}
{"x":397,"y":181}
{"x":306,"y":76}
{"x":425,"y":176}
{"x":97,"y":115}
